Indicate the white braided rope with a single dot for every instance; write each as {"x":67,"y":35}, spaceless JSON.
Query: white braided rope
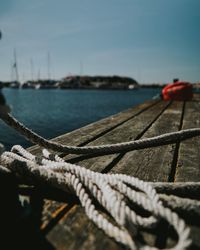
{"x":113,"y":192}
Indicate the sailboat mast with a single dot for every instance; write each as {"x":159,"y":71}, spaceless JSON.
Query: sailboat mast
{"x":11,"y":72}
{"x":15,"y":66}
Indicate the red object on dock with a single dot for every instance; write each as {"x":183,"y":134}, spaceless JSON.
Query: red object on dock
{"x":178,"y":91}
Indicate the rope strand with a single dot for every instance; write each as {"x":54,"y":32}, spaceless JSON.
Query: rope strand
{"x":160,"y":140}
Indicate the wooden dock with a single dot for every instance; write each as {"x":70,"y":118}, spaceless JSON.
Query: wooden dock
{"x":55,"y":220}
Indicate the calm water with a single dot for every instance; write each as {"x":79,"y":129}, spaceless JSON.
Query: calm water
{"x":54,"y":112}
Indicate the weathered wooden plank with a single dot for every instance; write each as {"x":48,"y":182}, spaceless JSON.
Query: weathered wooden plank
{"x":188,"y":164}
{"x":130,"y":130}
{"x":154,"y":164}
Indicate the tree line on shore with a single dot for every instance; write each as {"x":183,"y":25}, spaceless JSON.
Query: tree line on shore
{"x":78,"y":82}
{"x":85,"y":82}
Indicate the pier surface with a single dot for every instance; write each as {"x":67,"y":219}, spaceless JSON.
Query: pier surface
{"x":59,"y":220}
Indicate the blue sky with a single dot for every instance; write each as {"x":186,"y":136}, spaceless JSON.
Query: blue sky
{"x":151,"y":41}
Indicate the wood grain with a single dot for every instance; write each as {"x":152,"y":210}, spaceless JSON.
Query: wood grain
{"x":188,"y":164}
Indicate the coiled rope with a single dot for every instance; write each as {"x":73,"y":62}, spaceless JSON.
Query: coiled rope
{"x":113,"y":192}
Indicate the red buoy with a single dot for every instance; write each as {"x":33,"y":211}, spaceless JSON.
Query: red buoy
{"x":177,"y":91}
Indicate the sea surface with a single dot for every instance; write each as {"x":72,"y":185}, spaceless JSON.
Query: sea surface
{"x":54,"y":112}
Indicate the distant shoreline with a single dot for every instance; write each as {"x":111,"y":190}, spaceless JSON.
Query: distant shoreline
{"x":86,"y":82}
{"x":78,"y":82}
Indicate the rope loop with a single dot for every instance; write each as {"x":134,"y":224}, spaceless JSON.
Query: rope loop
{"x":114,"y":192}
